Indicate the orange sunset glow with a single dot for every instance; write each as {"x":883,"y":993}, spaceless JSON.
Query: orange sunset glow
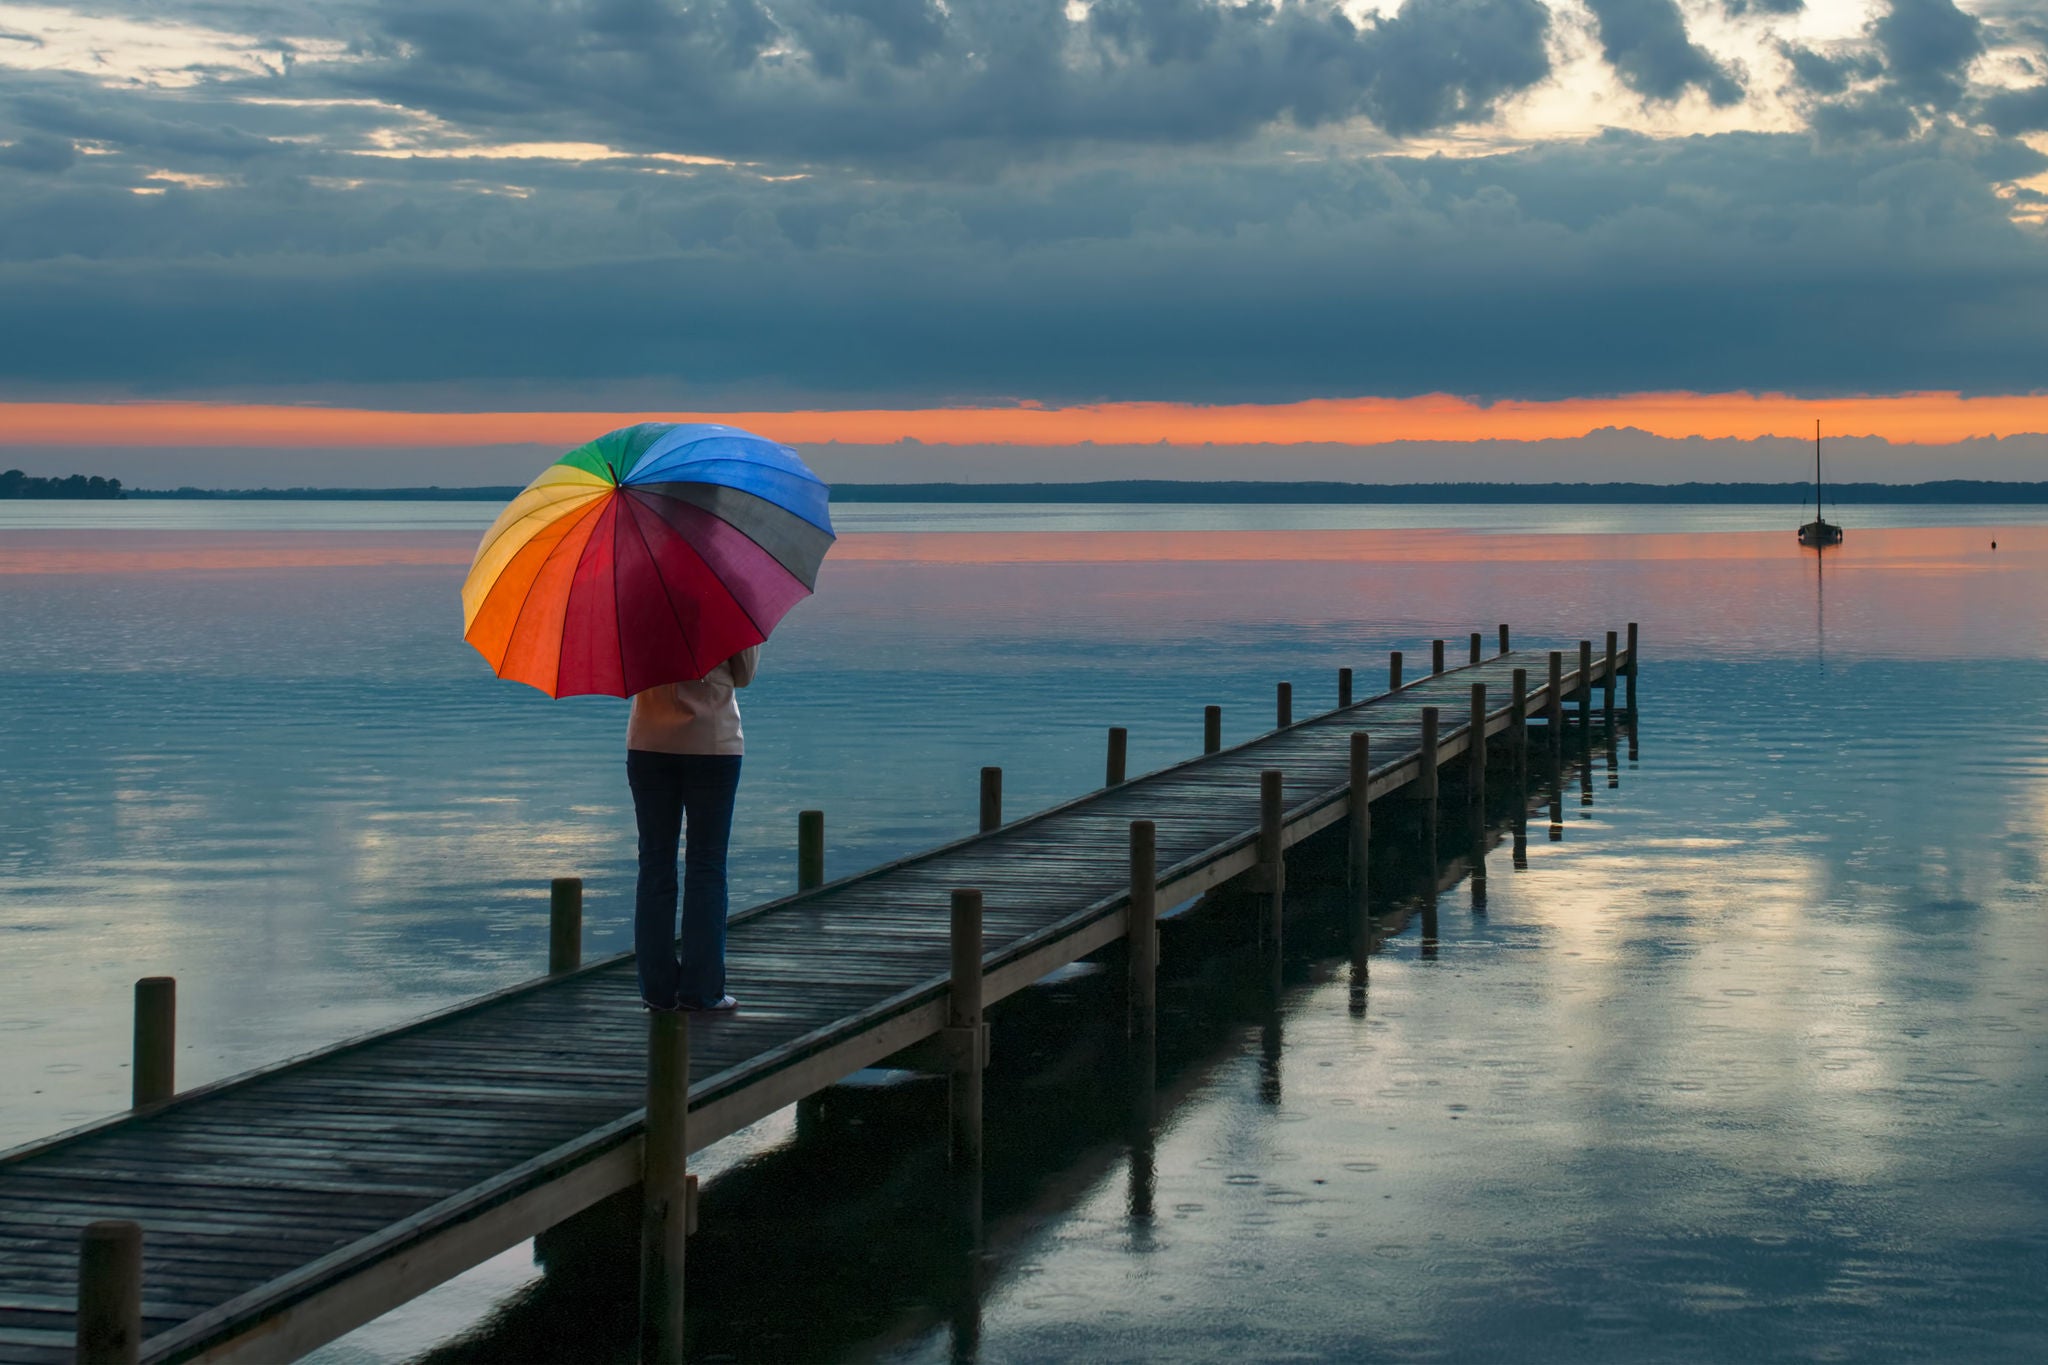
{"x":1912,"y":418}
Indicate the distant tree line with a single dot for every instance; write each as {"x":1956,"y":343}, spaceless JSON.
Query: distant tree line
{"x":1240,"y":492}
{"x":15,"y":484}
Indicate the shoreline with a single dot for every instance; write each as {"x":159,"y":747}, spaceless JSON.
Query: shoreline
{"x":1243,"y":492}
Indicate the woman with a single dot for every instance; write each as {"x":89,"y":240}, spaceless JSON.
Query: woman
{"x":683,"y":747}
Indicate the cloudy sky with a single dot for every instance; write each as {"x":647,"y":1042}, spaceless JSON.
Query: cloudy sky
{"x":1139,"y":220}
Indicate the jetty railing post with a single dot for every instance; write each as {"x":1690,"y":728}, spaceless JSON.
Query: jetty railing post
{"x":1475,"y":748}
{"x":810,"y":849}
{"x":1436,"y":656}
{"x":565,"y":925}
{"x":1283,"y":706}
{"x":154,"y":1061}
{"x":1504,"y":648}
{"x":1518,"y":715}
{"x":1343,"y":687}
{"x":664,"y":1188}
{"x":1554,"y":703}
{"x":1607,"y":702}
{"x":1360,"y":823}
{"x":1428,"y":779}
{"x":1119,"y":754}
{"x":1631,"y":668}
{"x":1585,"y":686}
{"x":1142,"y":929}
{"x":1212,"y":729}
{"x":1394,"y":671}
{"x":1475,"y":646}
{"x":991,"y":799}
{"x":109,"y":1327}
{"x":964,"y":1032}
{"x":1272,"y":851}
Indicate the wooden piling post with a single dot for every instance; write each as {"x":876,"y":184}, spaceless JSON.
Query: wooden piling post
{"x":1394,"y":671}
{"x":1436,"y":656}
{"x":109,"y":1327}
{"x":1585,"y":685}
{"x":1119,"y":754}
{"x":1613,"y":663}
{"x":1343,"y":687}
{"x":964,"y":1032}
{"x":1142,"y":929}
{"x":991,"y":799}
{"x":1504,"y":647}
{"x":1475,"y":646}
{"x":1360,"y":823}
{"x":810,"y":849}
{"x":154,"y":1061}
{"x":1475,"y":748}
{"x":1283,"y":707}
{"x":1631,"y":668}
{"x":565,"y":925}
{"x":1428,"y":776}
{"x":1212,"y":729}
{"x":1554,"y":707}
{"x":664,"y":1188}
{"x":1272,"y":851}
{"x":1518,"y":716}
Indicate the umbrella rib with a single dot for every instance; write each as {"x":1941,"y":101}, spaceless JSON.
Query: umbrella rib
{"x":667,"y":601}
{"x":595,"y":509}
{"x":541,"y":511}
{"x":618,"y":631}
{"x":707,"y":563}
{"x":526,"y":598}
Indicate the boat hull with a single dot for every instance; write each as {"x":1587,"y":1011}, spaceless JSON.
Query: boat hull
{"x":1819,"y":533}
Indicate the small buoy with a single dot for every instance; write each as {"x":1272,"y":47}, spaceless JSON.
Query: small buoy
{"x":1994,"y":544}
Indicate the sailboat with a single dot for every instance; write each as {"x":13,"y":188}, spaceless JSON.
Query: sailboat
{"x":1820,"y":532}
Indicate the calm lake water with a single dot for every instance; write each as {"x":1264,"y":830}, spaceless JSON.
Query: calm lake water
{"x":1748,"y":1062}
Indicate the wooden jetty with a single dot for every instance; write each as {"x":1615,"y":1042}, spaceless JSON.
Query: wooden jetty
{"x":255,"y":1218}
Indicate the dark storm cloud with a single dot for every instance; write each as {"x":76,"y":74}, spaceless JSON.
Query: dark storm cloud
{"x":1915,"y":68}
{"x":2013,"y":112}
{"x":838,"y":80}
{"x":1447,"y":62}
{"x":43,"y":155}
{"x":85,"y":118}
{"x":1646,"y":43}
{"x":1820,"y":74}
{"x":1876,"y":113}
{"x":1928,"y":46}
{"x":1745,"y":261}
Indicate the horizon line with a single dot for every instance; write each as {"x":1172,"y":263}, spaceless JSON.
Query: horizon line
{"x":1904,"y":419}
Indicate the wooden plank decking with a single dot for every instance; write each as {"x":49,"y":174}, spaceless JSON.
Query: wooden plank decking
{"x":287,"y":1206}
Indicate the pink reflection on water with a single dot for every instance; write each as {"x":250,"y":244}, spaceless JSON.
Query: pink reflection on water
{"x":119,"y":552}
{"x":1908,"y":593}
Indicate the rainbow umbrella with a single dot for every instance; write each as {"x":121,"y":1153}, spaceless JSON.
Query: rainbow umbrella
{"x":649,"y":556}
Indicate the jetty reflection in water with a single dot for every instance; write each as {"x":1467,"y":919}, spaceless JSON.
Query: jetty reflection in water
{"x":841,"y":1232}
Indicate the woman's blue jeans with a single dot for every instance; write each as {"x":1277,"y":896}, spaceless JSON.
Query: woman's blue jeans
{"x":667,"y":790}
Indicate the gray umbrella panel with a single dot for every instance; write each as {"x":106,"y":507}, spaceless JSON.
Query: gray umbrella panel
{"x":796,"y":544}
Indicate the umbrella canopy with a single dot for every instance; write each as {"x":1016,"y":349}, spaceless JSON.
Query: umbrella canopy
{"x":650,"y":555}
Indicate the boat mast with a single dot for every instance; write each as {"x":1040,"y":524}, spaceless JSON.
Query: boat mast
{"x":1817,"y":514}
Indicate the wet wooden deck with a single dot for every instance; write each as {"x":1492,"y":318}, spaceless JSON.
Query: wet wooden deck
{"x":285,"y":1207}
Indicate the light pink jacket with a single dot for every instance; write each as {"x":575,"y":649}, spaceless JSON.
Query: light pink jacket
{"x":694,"y":717}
